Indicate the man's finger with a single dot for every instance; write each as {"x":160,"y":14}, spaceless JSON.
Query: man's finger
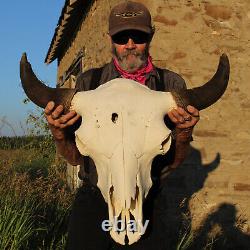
{"x":57,"y":124}
{"x":49,"y":108}
{"x":50,"y":120}
{"x":187,"y":118}
{"x":177,"y":115}
{"x":181,"y":111}
{"x":73,"y":120}
{"x":69,"y":122}
{"x":57,"y":112}
{"x":193,"y":111}
{"x":67,"y":117}
{"x":172,"y":117}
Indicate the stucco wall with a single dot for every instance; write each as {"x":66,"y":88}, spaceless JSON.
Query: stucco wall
{"x":190,"y":36}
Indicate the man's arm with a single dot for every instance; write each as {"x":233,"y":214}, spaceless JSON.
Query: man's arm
{"x":184,"y":122}
{"x":60,"y":124}
{"x":65,"y":142}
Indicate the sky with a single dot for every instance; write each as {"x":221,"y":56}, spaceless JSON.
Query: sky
{"x":25,"y":26}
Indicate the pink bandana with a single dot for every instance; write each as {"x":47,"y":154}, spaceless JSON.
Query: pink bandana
{"x":139,"y":75}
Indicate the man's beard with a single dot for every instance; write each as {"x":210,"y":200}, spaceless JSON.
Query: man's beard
{"x":139,"y":61}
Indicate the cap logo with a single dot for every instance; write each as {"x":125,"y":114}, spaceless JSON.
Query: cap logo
{"x":129,"y":14}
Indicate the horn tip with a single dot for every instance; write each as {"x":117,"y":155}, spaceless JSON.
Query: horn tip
{"x":224,"y":59}
{"x":24,"y":57}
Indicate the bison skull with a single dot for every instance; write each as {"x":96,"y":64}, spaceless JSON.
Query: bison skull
{"x":122,"y":131}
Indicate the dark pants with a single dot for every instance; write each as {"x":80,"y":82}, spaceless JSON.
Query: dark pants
{"x":88,"y":212}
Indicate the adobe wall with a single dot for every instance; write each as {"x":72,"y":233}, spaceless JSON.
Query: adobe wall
{"x":190,"y":36}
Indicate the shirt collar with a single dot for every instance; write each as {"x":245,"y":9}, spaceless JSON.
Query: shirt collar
{"x":113,"y":70}
{"x":154,"y":73}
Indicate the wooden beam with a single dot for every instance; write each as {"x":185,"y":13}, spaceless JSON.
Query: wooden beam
{"x":66,"y":16}
{"x":69,"y":9}
{"x":64,"y":23}
{"x":71,"y":2}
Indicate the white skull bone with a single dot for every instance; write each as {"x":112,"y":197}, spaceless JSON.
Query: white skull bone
{"x":123,"y":130}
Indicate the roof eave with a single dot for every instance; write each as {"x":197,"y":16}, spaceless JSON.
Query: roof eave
{"x":70,"y":14}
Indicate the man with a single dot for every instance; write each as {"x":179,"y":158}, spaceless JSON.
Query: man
{"x":130,"y":33}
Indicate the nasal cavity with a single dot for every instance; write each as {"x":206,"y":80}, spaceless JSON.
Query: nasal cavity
{"x":114,"y":117}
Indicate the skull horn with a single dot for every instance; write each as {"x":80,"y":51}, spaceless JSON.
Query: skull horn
{"x":38,"y":92}
{"x":204,"y":96}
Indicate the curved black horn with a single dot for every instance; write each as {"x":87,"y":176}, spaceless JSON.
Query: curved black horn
{"x":204,"y":96}
{"x":38,"y":92}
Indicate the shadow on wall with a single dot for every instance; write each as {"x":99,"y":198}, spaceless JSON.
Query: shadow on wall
{"x":173,"y":200}
{"x":177,"y":191}
{"x":231,"y":237}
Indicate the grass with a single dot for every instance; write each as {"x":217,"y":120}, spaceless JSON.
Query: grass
{"x":27,"y":142}
{"x":17,"y":224}
{"x":34,"y":198}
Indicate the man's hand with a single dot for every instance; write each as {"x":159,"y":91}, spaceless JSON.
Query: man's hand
{"x":66,"y":145}
{"x":57,"y":121}
{"x":184,"y":121}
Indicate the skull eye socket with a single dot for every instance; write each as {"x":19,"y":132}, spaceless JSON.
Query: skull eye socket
{"x":114,"y":117}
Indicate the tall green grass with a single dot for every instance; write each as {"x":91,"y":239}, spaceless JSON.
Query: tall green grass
{"x":16,"y":222}
{"x":34,"y":198}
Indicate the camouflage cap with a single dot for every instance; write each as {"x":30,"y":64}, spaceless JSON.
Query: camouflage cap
{"x":129,"y":16}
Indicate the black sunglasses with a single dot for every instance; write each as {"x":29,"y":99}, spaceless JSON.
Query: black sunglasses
{"x":138,"y":37}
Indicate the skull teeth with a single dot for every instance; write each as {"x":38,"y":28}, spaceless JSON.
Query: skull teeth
{"x":123,"y":217}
